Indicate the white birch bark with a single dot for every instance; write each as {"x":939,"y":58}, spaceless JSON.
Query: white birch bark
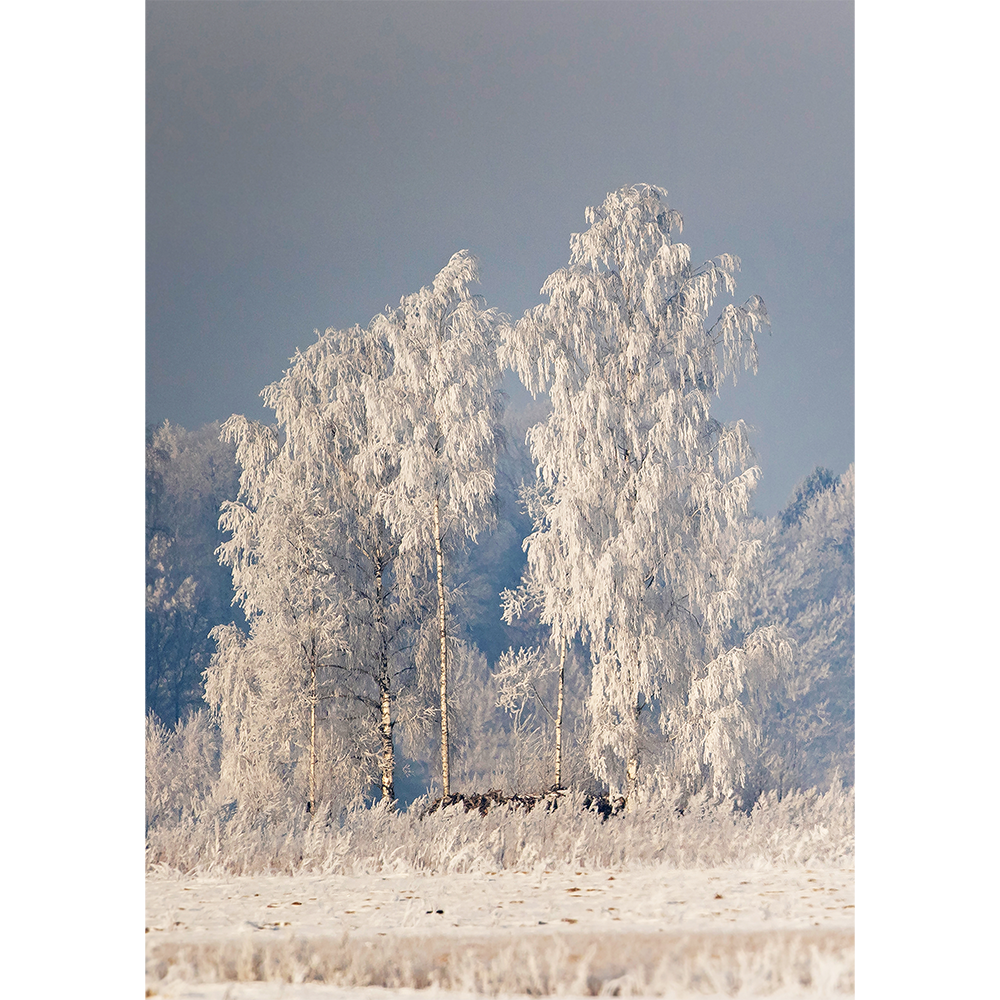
{"x":443,"y":652}
{"x":388,"y":760}
{"x":559,"y":714}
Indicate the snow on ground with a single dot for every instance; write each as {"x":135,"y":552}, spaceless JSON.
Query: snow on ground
{"x":661,"y":931}
{"x":414,"y":904}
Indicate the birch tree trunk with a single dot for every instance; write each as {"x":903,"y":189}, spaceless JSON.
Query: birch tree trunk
{"x":632,"y":765}
{"x":388,"y":760}
{"x":388,"y":755}
{"x":311,"y":804}
{"x":559,"y":714}
{"x":443,"y":638}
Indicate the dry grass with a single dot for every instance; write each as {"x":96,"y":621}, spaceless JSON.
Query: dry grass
{"x":776,"y":963}
{"x":805,"y":829}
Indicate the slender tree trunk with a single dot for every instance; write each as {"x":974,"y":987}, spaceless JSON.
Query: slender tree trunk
{"x":443,"y":637}
{"x":559,"y":713}
{"x":631,"y":778}
{"x":632,"y":766}
{"x":311,"y":805}
{"x":388,"y":756}
{"x":388,"y":761}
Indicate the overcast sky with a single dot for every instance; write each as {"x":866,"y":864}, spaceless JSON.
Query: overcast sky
{"x":309,"y":163}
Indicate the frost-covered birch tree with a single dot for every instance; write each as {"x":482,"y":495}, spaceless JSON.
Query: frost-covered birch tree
{"x":315,"y":564}
{"x":264,"y":686}
{"x":442,"y":407}
{"x":323,"y":403}
{"x":544,"y":595}
{"x":519,"y":677}
{"x":638,"y":547}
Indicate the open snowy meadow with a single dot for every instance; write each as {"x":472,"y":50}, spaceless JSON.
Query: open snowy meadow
{"x":711,"y":903}
{"x":659,"y":931}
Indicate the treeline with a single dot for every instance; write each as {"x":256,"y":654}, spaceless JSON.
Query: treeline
{"x":429,"y":591}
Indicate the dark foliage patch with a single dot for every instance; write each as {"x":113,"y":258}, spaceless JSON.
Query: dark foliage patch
{"x":483,"y":802}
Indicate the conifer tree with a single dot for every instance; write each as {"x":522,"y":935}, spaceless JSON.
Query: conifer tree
{"x":808,"y":587}
{"x":188,"y":475}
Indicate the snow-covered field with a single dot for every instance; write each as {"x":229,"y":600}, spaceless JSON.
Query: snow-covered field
{"x":660,"y":931}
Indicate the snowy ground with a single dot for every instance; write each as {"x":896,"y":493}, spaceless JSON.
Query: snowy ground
{"x":653,"y":931}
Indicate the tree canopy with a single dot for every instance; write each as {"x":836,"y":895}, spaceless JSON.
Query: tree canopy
{"x":638,"y":545}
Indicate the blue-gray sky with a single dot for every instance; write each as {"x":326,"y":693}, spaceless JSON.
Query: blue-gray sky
{"x":308,"y":163}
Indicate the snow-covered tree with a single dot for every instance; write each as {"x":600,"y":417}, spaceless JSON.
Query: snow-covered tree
{"x":808,"y":586}
{"x":638,"y":546}
{"x":188,"y":476}
{"x":440,"y":408}
{"x":539,"y":595}
{"x":316,"y":566}
{"x":322,"y":404}
{"x":282,"y":549}
{"x":536,"y":675}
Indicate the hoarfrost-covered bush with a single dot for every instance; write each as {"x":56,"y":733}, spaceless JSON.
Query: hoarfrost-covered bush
{"x":182,"y":768}
{"x":804,"y":828}
{"x":808,"y":829}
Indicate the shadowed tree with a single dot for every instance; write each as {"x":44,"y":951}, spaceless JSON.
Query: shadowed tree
{"x":809,"y":587}
{"x":188,"y":475}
